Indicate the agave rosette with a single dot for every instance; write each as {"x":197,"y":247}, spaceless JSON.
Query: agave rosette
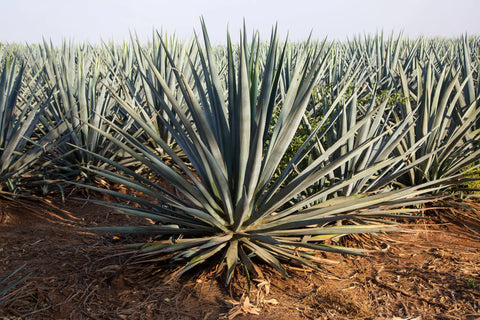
{"x":78,"y":79}
{"x":446,"y":113}
{"x":22,"y":143}
{"x":229,"y":202}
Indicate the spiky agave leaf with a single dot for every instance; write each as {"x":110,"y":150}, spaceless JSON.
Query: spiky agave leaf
{"x":232,"y":205}
{"x":5,"y":286}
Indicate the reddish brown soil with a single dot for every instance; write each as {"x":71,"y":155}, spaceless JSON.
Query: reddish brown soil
{"x":430,"y":272}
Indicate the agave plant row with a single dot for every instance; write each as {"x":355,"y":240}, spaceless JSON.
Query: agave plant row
{"x":272,"y":149}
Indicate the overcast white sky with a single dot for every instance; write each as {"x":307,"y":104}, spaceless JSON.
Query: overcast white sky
{"x":27,"y":21}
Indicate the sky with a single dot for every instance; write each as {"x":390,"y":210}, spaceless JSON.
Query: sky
{"x":30,"y":21}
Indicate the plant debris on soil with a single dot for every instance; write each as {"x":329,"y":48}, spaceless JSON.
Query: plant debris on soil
{"x":429,"y":271}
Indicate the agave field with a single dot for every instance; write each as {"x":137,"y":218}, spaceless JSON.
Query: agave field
{"x":257,"y":154}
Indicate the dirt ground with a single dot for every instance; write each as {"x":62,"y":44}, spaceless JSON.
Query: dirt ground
{"x":431,"y":271}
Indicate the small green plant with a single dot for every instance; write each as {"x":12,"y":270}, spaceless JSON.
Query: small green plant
{"x":472,"y":175}
{"x":471,"y":282}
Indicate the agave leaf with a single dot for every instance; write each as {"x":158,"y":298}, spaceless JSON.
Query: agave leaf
{"x":326,"y":248}
{"x":266,"y":256}
{"x":178,"y":245}
{"x":5,"y":289}
{"x":157,"y":230}
{"x":347,"y":229}
{"x":159,"y":214}
{"x":296,"y":256}
{"x":232,"y":259}
{"x":205,"y":254}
